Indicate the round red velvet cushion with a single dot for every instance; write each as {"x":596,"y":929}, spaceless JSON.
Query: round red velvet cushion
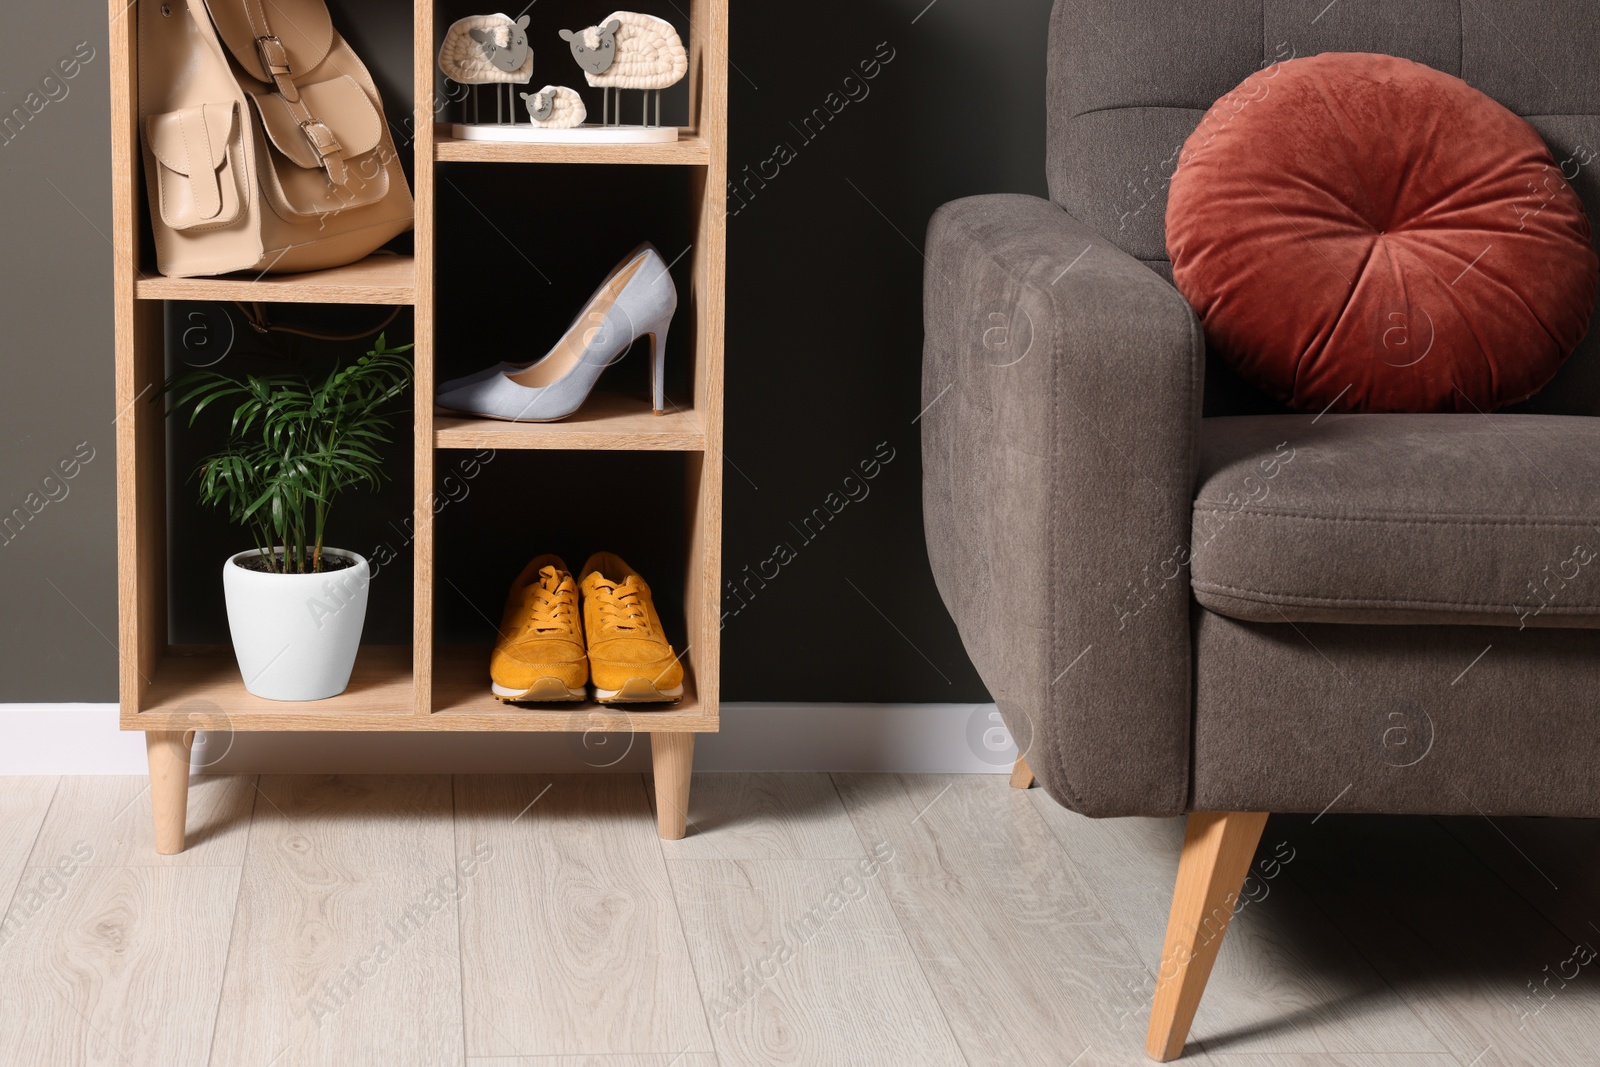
{"x":1365,"y":232}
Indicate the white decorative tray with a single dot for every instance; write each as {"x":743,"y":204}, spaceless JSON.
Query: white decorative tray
{"x":585,"y":134}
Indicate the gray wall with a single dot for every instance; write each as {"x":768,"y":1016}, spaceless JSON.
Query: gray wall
{"x":58,"y":589}
{"x":824,"y":340}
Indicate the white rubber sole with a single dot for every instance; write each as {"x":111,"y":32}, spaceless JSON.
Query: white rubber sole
{"x":639,"y":691}
{"x":543,"y":689}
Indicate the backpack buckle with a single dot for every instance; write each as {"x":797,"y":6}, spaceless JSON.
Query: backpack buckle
{"x":274,"y":57}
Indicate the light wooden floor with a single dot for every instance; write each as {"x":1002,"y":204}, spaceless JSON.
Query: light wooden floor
{"x":806,"y":919}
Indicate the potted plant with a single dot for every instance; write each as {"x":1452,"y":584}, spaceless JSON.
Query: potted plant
{"x":295,"y":605}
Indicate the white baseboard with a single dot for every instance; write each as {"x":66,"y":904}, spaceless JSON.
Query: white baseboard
{"x":906,"y":738}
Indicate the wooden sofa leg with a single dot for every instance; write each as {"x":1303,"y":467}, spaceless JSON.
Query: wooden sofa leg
{"x":1021,"y":774}
{"x":672,"y":756}
{"x":1217,"y":850}
{"x":169,"y":786}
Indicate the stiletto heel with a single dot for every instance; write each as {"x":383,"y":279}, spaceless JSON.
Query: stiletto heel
{"x":658,"y":369}
{"x":636,"y":299}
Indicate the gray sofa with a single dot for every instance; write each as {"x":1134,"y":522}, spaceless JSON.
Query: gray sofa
{"x":1185,"y":599}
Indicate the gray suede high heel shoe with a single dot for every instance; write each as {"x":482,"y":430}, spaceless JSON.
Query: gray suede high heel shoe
{"x":508,"y":367}
{"x":637,"y":299}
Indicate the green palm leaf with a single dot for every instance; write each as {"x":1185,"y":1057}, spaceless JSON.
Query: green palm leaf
{"x":294,"y":446}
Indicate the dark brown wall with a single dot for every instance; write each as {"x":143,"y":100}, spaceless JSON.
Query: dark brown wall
{"x":824,"y":340}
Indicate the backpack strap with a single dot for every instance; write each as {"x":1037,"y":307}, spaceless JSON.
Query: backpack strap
{"x":273,"y":39}
{"x":279,"y":42}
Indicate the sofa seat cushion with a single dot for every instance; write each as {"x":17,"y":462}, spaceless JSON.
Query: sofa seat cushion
{"x":1400,"y":519}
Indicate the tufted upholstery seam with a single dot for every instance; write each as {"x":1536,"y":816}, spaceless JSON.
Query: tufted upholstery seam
{"x":1202,"y":108}
{"x":1384,"y":520}
{"x":1260,"y":596}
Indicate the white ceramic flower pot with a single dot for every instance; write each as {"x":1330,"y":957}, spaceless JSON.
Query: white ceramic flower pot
{"x":295,"y":635}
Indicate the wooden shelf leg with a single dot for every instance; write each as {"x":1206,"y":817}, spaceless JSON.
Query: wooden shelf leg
{"x":169,"y":786}
{"x":672,"y":755}
{"x":1021,"y":774}
{"x":1217,"y":850}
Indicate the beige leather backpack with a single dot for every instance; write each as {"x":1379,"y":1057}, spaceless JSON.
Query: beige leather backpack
{"x":265,"y":146}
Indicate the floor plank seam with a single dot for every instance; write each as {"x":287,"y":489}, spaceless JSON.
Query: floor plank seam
{"x":1447,"y":967}
{"x":461,"y":963}
{"x":677,"y":911}
{"x":933,"y":992}
{"x":38,"y":831}
{"x":1129,"y":938}
{"x":1533,"y":905}
{"x":1107,"y":917}
{"x":899,"y":925}
{"x":238,"y":891}
{"x":1372,"y":965}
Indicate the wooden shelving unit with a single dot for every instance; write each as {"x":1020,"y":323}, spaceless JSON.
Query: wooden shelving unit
{"x":170,"y":691}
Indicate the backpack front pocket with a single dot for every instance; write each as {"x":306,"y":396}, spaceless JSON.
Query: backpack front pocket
{"x":199,"y":183}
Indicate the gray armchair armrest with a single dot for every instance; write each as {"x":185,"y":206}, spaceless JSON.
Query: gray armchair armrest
{"x":1061,"y":381}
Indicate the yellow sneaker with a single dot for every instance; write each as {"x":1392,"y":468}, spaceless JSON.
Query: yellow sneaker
{"x":539,"y":655}
{"x":629,"y":656}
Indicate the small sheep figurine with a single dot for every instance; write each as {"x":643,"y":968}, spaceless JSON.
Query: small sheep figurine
{"x":487,"y":50}
{"x":628,"y":50}
{"x":555,"y":107}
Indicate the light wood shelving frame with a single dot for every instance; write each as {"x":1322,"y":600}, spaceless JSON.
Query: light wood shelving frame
{"x":172,"y":691}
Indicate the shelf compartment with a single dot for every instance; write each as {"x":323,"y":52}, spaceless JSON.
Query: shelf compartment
{"x":378,"y":279}
{"x":462,"y":701}
{"x":690,"y":149}
{"x":606,"y":421}
{"x":198,"y":687}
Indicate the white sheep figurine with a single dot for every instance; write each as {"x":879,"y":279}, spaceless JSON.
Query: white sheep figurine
{"x":487,"y":50}
{"x":628,"y":50}
{"x":555,"y":107}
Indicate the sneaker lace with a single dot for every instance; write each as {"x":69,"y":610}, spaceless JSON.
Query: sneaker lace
{"x":622,"y":610}
{"x":553,"y":597}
